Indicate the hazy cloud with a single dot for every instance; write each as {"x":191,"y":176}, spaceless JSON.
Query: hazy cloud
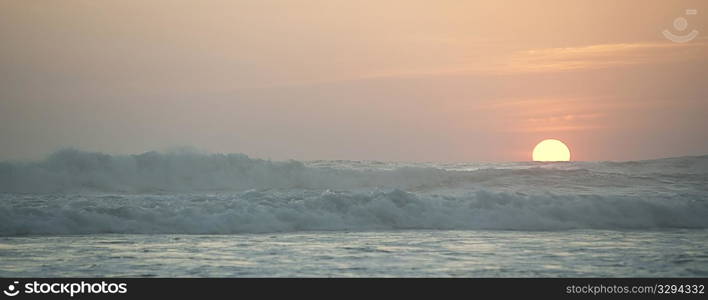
{"x":604,"y":56}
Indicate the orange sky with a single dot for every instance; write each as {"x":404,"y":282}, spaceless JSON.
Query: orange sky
{"x":377,"y":80}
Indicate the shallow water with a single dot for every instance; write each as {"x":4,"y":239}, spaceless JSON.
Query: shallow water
{"x":413,"y":253}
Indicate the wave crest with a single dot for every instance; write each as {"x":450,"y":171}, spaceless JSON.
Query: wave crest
{"x":76,"y":171}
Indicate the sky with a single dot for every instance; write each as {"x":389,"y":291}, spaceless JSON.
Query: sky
{"x":388,"y":80}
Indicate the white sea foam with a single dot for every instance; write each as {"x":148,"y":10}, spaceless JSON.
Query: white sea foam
{"x":284,"y":211}
{"x":74,"y":192}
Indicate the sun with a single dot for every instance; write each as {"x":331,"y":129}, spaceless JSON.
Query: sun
{"x":551,"y":150}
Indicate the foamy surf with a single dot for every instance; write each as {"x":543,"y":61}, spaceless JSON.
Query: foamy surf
{"x":74,"y":192}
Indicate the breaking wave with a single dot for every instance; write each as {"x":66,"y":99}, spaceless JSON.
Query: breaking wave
{"x":75,"y":192}
{"x":76,"y":171}
{"x":72,"y":170}
{"x":286,"y":211}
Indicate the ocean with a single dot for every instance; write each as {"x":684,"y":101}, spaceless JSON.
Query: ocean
{"x":185,"y":214}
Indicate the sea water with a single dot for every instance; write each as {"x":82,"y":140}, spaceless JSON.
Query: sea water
{"x":202,"y":215}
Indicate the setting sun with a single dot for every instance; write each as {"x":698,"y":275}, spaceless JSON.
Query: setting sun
{"x":551,"y":150}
